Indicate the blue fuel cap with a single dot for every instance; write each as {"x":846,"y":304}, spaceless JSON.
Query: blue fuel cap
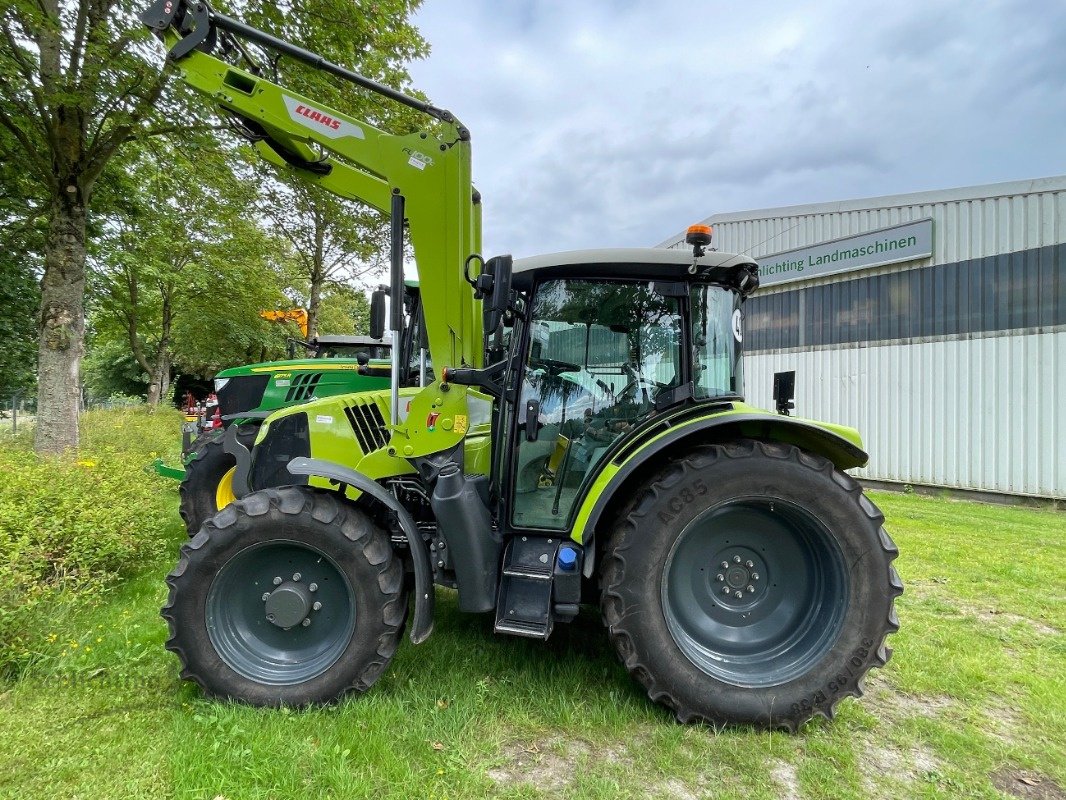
{"x":567,"y":558}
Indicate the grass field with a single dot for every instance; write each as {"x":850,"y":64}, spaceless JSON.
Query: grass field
{"x":973,"y":703}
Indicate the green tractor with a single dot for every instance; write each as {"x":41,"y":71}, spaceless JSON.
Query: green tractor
{"x":585,"y":440}
{"x":248,"y":394}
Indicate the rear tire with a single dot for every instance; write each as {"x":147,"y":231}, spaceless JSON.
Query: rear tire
{"x":286,"y":597}
{"x":792,"y":622}
{"x":209,"y":467}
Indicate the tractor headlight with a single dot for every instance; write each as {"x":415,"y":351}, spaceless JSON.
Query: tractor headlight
{"x":219,"y":383}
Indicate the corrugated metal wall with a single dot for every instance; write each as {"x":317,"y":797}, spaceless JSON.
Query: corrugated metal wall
{"x":979,"y":410}
{"x":986,"y":414}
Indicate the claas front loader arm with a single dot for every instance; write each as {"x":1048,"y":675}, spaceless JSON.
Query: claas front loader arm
{"x":422,"y":178}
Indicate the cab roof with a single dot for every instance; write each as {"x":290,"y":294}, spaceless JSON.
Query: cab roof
{"x":729,"y":269}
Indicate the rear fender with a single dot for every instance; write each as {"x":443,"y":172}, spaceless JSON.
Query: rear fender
{"x":621,"y":477}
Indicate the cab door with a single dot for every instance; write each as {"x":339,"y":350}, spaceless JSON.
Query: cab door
{"x":599,"y":353}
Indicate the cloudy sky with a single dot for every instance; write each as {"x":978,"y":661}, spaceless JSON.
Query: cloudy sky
{"x":619,"y":123}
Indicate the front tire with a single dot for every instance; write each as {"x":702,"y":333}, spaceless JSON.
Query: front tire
{"x":750,"y":583}
{"x":208,"y":484}
{"x":286,"y":597}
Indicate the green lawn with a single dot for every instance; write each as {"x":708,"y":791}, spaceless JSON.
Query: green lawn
{"x":974,"y":697}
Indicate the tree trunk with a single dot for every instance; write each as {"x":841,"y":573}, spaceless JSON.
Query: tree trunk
{"x":318,"y":276}
{"x":159,"y":375}
{"x":312,"y":307}
{"x":159,"y":379}
{"x":61,"y":323}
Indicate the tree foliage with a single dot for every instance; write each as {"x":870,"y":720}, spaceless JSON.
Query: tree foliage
{"x":19,"y":294}
{"x":344,"y":310}
{"x":182,"y":270}
{"x":179,"y":261}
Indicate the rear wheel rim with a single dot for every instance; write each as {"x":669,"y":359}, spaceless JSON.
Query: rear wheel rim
{"x":754,"y":591}
{"x":280,"y":613}
{"x":224,"y":491}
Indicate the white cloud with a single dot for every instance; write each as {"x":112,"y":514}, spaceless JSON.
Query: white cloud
{"x":601,"y":123}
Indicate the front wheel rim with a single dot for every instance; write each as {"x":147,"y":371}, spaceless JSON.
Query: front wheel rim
{"x":224,"y":491}
{"x":280,"y":613}
{"x":754,"y":591}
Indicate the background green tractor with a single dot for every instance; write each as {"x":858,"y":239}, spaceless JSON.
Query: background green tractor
{"x":248,"y":394}
{"x":585,"y":440}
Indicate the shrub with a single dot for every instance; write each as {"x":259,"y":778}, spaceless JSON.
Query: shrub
{"x":73,"y":526}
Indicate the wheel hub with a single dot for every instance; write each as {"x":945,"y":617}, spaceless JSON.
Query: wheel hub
{"x":288,"y":605}
{"x":739,"y":577}
{"x":291,"y":603}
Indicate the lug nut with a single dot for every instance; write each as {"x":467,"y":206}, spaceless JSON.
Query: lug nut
{"x":749,"y":564}
{"x":277,"y":581}
{"x":725,"y":590}
{"x":313,"y":587}
{"x":736,"y":559}
{"x":738,"y":595}
{"x":719,"y":577}
{"x":306,"y":622}
{"x":440,"y":564}
{"x":318,"y":606}
{"x":296,"y":576}
{"x":751,"y":588}
{"x":265,"y":596}
{"x":725,"y":565}
{"x":755,"y":576}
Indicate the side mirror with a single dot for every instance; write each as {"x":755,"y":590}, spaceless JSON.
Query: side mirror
{"x":498,"y":291}
{"x":784,"y":391}
{"x":377,"y":314}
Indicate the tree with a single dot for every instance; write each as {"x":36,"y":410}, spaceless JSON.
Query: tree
{"x":179,"y":257}
{"x":344,"y":310}
{"x":334,"y":246}
{"x":76,"y":88}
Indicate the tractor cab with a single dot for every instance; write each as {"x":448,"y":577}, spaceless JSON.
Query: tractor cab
{"x":607,"y":342}
{"x":356,"y":347}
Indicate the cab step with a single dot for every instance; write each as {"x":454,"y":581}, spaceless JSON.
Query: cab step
{"x":534,"y":572}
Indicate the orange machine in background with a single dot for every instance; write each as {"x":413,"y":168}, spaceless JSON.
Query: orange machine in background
{"x":297,"y":315}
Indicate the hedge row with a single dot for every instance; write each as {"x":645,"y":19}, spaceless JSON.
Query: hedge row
{"x":71,"y":527}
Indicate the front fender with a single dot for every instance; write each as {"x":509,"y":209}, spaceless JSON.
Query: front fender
{"x":422,"y":626}
{"x":620,"y":476}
